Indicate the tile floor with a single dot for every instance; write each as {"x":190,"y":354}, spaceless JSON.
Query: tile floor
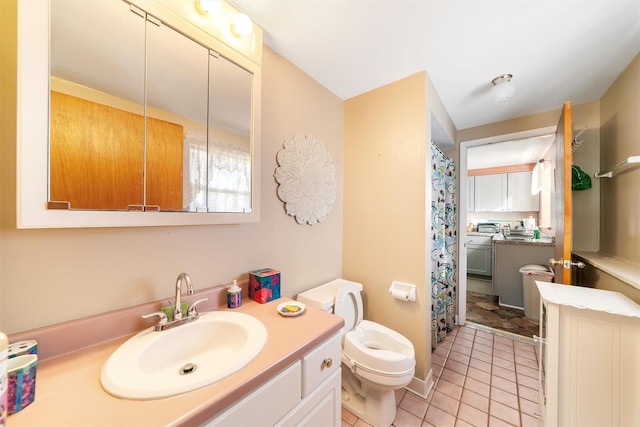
{"x":480,"y":379}
{"x":485,"y":310}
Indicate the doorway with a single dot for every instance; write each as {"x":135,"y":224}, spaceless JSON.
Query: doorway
{"x":474,"y":305}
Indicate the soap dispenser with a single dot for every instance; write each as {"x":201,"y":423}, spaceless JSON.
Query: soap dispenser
{"x":234,"y":295}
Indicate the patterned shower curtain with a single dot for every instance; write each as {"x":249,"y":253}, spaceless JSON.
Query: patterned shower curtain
{"x":443,"y":249}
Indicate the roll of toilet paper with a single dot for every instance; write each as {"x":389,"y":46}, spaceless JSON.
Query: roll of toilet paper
{"x":397,"y":294}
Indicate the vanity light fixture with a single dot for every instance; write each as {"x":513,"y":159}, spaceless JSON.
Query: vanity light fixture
{"x":503,"y":88}
{"x":242,"y":25}
{"x":205,"y":6}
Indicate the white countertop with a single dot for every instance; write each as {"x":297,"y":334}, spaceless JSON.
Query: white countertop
{"x":588,"y":298}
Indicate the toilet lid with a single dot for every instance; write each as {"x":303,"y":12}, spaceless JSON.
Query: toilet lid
{"x":348,"y":305}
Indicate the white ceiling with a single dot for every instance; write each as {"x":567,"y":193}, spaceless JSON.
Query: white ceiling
{"x":519,"y":152}
{"x":557,"y":50}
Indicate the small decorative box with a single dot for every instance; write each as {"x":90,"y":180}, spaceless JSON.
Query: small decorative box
{"x":21,"y":390}
{"x":264,"y":285}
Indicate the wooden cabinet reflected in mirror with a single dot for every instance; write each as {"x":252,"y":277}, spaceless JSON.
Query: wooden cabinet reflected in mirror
{"x":142,"y":116}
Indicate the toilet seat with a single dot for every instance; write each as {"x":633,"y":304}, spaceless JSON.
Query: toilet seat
{"x":348,"y":305}
{"x":379,"y":350}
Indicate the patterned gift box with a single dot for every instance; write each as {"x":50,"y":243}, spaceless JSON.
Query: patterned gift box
{"x":264,"y":285}
{"x":21,"y":390}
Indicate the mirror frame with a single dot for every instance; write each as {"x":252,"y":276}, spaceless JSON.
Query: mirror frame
{"x":32,"y":139}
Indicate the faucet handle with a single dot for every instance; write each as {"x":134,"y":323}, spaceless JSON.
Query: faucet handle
{"x":163,"y":317}
{"x":192,"y":309}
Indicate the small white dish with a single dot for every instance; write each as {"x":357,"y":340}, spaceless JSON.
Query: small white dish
{"x":291,"y":308}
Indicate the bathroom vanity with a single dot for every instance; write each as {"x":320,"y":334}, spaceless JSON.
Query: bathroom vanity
{"x":589,"y":374}
{"x":294,"y":380}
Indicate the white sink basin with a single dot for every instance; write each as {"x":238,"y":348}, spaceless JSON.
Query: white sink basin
{"x":153,"y":365}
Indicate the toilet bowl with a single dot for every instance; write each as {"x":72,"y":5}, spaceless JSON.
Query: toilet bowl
{"x":376,"y":360}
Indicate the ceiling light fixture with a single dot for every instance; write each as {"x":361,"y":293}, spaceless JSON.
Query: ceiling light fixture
{"x":503,"y":88}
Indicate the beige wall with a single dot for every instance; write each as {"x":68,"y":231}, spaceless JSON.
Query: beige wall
{"x":48,"y":276}
{"x":620,"y":138}
{"x":385,"y":154}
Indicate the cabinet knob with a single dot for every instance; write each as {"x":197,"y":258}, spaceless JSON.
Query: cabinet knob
{"x":327,"y":362}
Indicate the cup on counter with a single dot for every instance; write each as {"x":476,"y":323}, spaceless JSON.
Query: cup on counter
{"x":21,"y":373}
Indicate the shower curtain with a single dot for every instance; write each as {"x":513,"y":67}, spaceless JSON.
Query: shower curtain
{"x":443,"y":248}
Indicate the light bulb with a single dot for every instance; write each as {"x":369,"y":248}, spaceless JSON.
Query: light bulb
{"x":242,"y":25}
{"x":208,"y":6}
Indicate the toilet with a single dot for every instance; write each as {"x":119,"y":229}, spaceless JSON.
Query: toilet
{"x":376,"y":360}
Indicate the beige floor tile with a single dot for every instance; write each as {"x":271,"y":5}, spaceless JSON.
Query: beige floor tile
{"x":445,"y":402}
{"x":527,"y":381}
{"x":453,"y":376}
{"x":504,"y":363}
{"x":348,"y":417}
{"x":474,"y":399}
{"x":477,"y":386}
{"x":504,"y":413}
{"x":456,"y":366}
{"x":496,"y":422}
{"x":480,"y":364}
{"x":460,"y":356}
{"x":449,"y":389}
{"x":479,"y":375}
{"x":505,"y":398}
{"x":504,"y":373}
{"x":528,"y":393}
{"x":472,"y":415}
{"x":439,"y":418}
{"x":483,"y":348}
{"x":406,"y":419}
{"x":504,"y":384}
{"x":526,"y":370}
{"x":414,"y":404}
{"x":485,"y":357}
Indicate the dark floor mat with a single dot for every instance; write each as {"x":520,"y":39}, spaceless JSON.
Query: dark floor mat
{"x":485,"y":310}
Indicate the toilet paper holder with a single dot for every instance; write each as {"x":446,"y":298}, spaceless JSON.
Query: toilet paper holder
{"x":403,"y":291}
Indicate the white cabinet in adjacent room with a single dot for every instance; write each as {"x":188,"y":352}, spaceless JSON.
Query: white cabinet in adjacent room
{"x":519,"y":198}
{"x":471,"y":196}
{"x":490,"y":193}
{"x":590,"y":357}
{"x":504,"y":192}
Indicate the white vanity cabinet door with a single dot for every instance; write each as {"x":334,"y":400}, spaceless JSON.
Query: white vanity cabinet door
{"x":266,"y":405}
{"x":589,"y":373}
{"x":320,"y":408}
{"x":308,"y":393}
{"x":320,"y":363}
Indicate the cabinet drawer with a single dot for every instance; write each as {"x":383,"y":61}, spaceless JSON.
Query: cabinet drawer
{"x":479,"y":240}
{"x":320,"y":363}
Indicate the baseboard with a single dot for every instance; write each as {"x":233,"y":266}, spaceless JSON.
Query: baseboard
{"x":421,"y":387}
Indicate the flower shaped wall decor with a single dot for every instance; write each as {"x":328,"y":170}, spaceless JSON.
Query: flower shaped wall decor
{"x":307,"y":179}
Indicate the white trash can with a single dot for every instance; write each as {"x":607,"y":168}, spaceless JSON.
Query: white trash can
{"x":531,"y":273}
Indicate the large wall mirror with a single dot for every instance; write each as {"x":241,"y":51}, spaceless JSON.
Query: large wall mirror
{"x":151,"y":121}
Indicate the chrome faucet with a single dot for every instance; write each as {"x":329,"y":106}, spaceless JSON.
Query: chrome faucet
{"x":177,"y":312}
{"x":192,"y":314}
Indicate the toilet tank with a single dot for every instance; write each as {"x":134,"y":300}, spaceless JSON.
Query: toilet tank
{"x":323,"y":296}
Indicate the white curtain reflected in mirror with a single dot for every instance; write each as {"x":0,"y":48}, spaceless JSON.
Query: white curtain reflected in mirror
{"x":229,"y":186}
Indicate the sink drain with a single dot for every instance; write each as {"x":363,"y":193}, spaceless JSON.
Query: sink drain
{"x":188,"y":369}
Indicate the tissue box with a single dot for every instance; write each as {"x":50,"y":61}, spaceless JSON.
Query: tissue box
{"x":264,"y":285}
{"x":21,"y":388}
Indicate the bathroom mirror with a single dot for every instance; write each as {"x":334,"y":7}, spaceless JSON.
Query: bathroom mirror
{"x":144,"y":117}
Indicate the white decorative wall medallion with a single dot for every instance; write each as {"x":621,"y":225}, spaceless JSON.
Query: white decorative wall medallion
{"x":307,"y":179}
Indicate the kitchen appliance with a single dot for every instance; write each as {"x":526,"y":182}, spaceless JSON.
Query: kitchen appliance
{"x":529,"y":223}
{"x":488,"y":227}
